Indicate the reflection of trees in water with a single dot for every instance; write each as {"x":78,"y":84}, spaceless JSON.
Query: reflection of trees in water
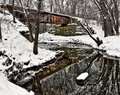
{"x":110,"y":77}
{"x":106,"y":78}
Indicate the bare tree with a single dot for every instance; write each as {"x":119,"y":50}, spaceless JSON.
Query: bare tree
{"x":74,"y":6}
{"x":28,"y":19}
{"x":13,"y":4}
{"x":63,"y":6}
{"x":35,"y":47}
{"x":51,"y":5}
{"x":110,"y":15}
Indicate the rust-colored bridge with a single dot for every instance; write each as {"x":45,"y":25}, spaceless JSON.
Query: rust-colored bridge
{"x":46,"y":17}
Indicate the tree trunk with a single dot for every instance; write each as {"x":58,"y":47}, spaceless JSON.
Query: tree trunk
{"x":30,"y":29}
{"x":74,"y":8}
{"x":35,"y":47}
{"x":13,"y":4}
{"x":108,"y":31}
{"x":110,"y":18}
{"x":116,"y":16}
{"x":51,"y":6}
{"x":28,"y":20}
{"x":0,"y":32}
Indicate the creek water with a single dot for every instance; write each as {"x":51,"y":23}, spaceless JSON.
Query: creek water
{"x":59,"y":78}
{"x":104,"y":78}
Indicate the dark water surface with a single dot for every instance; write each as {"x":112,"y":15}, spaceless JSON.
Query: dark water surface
{"x":59,"y":78}
{"x":104,"y":78}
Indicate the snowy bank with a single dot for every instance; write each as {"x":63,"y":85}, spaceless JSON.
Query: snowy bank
{"x":8,"y":88}
{"x":60,"y":40}
{"x":18,"y":48}
{"x":111,"y":45}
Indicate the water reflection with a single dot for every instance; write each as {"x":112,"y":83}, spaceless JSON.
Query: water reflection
{"x":59,"y":78}
{"x":104,"y":78}
{"x":70,"y":56}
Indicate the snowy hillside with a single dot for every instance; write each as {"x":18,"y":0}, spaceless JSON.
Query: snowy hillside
{"x":17,"y":47}
{"x":8,"y":88}
{"x":18,"y":50}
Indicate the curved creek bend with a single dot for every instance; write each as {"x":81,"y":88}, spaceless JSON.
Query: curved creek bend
{"x":58,"y":77}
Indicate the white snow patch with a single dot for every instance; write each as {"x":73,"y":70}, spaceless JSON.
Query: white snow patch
{"x":8,"y":88}
{"x":82,"y":76}
{"x":46,"y":37}
{"x":112,"y":45}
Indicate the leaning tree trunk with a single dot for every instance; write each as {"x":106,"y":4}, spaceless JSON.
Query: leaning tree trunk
{"x":28,"y":20}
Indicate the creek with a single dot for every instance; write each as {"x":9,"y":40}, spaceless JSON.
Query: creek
{"x":58,"y":78}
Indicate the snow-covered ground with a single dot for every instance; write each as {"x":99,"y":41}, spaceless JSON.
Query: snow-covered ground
{"x":110,"y":44}
{"x":19,"y":50}
{"x":8,"y":88}
{"x":17,"y":47}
